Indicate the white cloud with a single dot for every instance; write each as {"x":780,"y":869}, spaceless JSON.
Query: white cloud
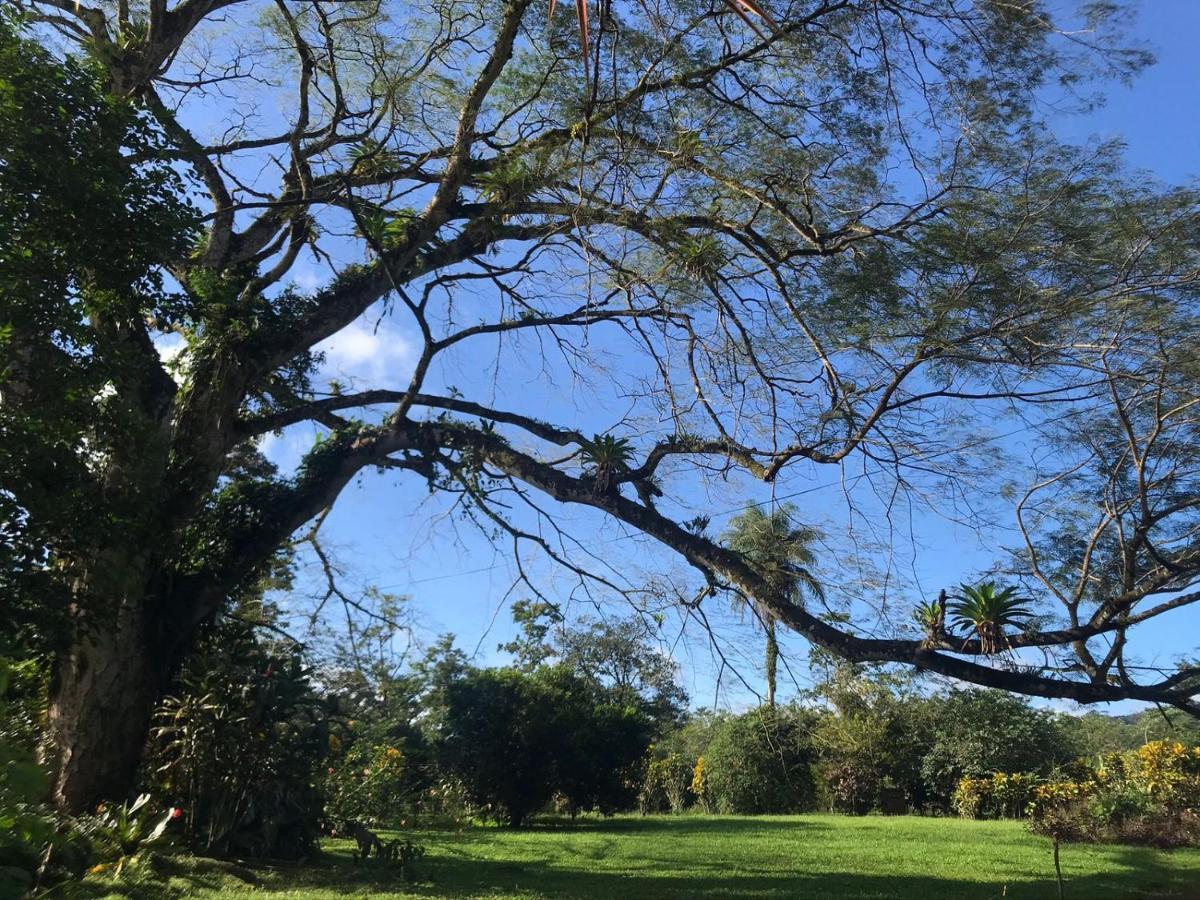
{"x":307,"y":278}
{"x":169,"y":345}
{"x":364,"y":352}
{"x":287,"y":449}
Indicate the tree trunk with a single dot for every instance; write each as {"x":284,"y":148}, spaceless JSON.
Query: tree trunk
{"x":772,"y":659}
{"x":104,"y":691}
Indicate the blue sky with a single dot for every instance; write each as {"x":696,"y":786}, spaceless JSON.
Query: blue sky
{"x":389,"y":532}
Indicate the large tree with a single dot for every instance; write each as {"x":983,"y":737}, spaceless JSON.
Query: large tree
{"x":845,"y":240}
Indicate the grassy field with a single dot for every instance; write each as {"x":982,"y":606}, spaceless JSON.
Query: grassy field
{"x":701,"y":857}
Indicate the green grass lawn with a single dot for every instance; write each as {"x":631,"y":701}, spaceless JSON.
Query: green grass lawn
{"x":697,"y":857}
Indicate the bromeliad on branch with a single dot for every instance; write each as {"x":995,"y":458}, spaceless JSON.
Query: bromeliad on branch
{"x":987,"y":610}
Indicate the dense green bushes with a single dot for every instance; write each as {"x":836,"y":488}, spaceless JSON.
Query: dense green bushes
{"x":977,"y":733}
{"x":872,"y":741}
{"x":238,"y":747}
{"x":878,"y":744}
{"x":761,"y":762}
{"x":514,"y":739}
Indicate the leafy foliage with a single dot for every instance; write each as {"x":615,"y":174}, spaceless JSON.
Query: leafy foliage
{"x":513,"y":739}
{"x":239,"y":745}
{"x":761,"y":762}
{"x":618,"y":655}
{"x":1000,"y":795}
{"x":117,"y":833}
{"x":70,"y":198}
{"x":27,"y":825}
{"x":1150,"y":795}
{"x":666,"y":783}
{"x":873,"y":740}
{"x":976,"y":733}
{"x":606,"y":458}
{"x":1094,"y":734}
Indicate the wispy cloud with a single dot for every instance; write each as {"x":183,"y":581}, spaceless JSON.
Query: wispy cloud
{"x":365,"y":351}
{"x":287,"y":449}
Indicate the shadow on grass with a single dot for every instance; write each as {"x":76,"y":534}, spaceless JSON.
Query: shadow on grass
{"x":678,"y":826}
{"x":539,"y":863}
{"x":1136,"y":873}
{"x":453,"y":879}
{"x":673,"y":824}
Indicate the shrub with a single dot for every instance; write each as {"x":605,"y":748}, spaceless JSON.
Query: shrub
{"x":760,"y":762}
{"x":117,"y":833}
{"x":371,"y":783}
{"x":1112,"y":805}
{"x":1000,"y":795}
{"x":35,"y":843}
{"x":665,"y":783}
{"x":1167,"y":772}
{"x":699,"y":786}
{"x":26,"y":826}
{"x":1147,"y":796}
{"x":971,"y":796}
{"x":238,"y":747}
{"x":853,"y":786}
{"x":1012,"y":793}
{"x":1058,"y":795}
{"x":871,"y":745}
{"x":513,"y":739}
{"x":1164,"y":829}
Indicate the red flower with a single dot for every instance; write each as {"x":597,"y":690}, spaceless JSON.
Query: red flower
{"x":176,"y":812}
{"x":270,"y":669}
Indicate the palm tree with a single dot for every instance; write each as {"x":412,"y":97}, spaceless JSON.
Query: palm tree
{"x":987,"y":610}
{"x":781,"y":553}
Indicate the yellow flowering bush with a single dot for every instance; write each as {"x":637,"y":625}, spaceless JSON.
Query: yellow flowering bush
{"x":1167,"y":772}
{"x":1000,"y":794}
{"x":665,"y":783}
{"x":1012,"y":792}
{"x":700,"y":784}
{"x":370,"y":783}
{"x":1060,"y":793}
{"x":970,"y":796}
{"x":1146,"y":796}
{"x":1161,"y":775}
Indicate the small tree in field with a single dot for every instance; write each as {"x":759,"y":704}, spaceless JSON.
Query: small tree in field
{"x":514,"y":739}
{"x":761,"y":762}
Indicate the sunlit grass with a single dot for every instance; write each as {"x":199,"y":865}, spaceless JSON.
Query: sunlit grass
{"x":701,"y":857}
